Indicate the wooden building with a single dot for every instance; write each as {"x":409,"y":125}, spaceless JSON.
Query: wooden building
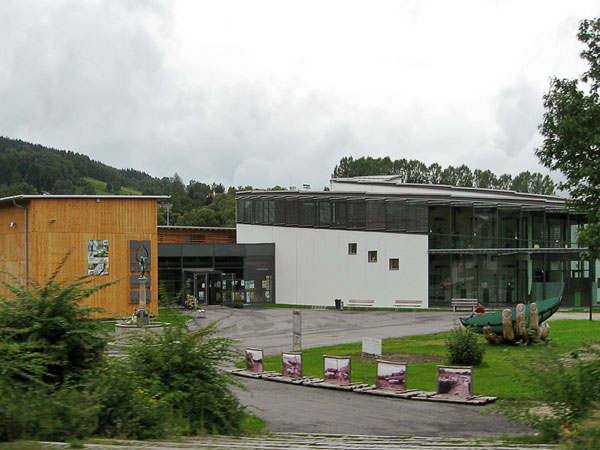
{"x":195,"y":235}
{"x":104,"y":236}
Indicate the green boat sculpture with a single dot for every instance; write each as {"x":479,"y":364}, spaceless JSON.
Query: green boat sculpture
{"x":524,"y":322}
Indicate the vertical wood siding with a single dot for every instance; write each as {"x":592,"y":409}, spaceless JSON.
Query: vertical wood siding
{"x":80,"y":220}
{"x":12,"y":244}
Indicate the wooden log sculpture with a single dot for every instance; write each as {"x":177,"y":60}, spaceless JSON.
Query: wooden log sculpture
{"x":508,"y":332}
{"x":491,"y":336}
{"x":520,"y":326}
{"x":533,"y":318}
{"x":520,"y":329}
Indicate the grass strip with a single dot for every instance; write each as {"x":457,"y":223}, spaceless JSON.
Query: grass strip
{"x":494,"y":377}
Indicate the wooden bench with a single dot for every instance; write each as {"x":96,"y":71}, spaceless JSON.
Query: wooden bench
{"x":360,"y":303}
{"x":464,"y":303}
{"x":414,"y":304}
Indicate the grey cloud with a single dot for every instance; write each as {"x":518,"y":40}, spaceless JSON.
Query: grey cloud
{"x":77,"y":72}
{"x":518,"y":112}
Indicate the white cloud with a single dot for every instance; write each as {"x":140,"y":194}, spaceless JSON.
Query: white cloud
{"x":272,"y":92}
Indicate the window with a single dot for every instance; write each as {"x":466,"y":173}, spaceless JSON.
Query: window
{"x":394,"y":264}
{"x":352,"y":248}
{"x":372,"y":256}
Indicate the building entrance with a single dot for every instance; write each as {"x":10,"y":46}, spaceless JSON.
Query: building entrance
{"x":211,"y":287}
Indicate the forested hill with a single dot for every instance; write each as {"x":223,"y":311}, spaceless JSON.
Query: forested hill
{"x":34,"y":169}
{"x":27,"y":168}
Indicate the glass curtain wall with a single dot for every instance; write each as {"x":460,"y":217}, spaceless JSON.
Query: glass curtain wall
{"x":525,"y":272}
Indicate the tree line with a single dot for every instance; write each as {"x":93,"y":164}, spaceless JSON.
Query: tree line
{"x":414,"y":171}
{"x":33,"y":169}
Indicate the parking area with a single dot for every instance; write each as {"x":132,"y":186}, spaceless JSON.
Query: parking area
{"x":271,"y":328}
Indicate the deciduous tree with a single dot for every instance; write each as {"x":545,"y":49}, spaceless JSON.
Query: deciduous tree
{"x":571,"y":130}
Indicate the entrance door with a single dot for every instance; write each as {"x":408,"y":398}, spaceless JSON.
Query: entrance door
{"x":207,"y":287}
{"x":214,"y":295}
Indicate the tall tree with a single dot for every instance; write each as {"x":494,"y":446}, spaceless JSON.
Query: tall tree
{"x":571,"y":130}
{"x":484,"y":179}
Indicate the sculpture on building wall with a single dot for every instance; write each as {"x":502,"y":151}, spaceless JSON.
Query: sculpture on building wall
{"x":142,"y":262}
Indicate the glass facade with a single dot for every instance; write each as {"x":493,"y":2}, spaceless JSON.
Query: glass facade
{"x":501,"y":253}
{"x":342,"y":212}
{"x":218,"y":273}
{"x":507,"y":255}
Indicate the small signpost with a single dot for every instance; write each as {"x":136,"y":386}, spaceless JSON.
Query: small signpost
{"x":371,"y":348}
{"x":297,"y":330}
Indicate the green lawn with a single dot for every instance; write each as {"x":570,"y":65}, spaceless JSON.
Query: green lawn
{"x":496,"y":376}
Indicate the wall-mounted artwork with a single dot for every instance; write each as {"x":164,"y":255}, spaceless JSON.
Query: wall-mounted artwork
{"x":336,"y":369}
{"x":454,"y":380}
{"x":391,"y":375}
{"x":255,"y":359}
{"x":291,"y":364}
{"x":97,"y":251}
{"x":138,"y":250}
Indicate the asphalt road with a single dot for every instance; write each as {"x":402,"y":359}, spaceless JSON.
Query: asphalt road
{"x":271,"y":328}
{"x":303,"y":409}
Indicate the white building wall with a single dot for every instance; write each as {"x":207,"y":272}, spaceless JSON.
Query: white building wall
{"x":313,"y":267}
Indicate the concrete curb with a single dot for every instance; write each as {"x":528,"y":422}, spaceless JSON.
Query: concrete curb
{"x":366,"y":389}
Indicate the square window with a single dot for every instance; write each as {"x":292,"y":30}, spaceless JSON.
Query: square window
{"x":352,"y":248}
{"x":394,"y":264}
{"x":372,"y":257}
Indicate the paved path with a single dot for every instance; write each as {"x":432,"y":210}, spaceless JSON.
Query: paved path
{"x":299,"y":441}
{"x":291,"y":408}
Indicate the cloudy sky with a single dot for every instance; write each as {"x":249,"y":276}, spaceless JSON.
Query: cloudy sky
{"x":276,"y":92}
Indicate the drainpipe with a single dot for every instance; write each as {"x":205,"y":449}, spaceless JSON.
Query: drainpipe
{"x":24,"y":208}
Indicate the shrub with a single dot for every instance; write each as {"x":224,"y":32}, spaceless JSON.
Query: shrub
{"x":130,"y":405}
{"x":45,"y":412}
{"x":566,"y":389}
{"x":185,"y":366}
{"x":464,"y":347}
{"x":164,"y":299}
{"x":60,"y":336}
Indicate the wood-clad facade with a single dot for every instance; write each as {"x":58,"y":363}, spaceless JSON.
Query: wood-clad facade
{"x":196,"y":235}
{"x":37,"y":232}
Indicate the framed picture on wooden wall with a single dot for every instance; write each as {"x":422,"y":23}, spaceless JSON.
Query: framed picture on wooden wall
{"x":97,"y":251}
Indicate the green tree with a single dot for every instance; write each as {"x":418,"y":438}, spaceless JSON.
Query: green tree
{"x":62,"y":187}
{"x":21,"y":189}
{"x":521,"y":182}
{"x":88,"y":189}
{"x":435,"y":173}
{"x":484,"y":179}
{"x":571,"y":130}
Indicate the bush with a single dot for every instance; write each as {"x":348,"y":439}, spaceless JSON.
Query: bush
{"x":567,"y":389}
{"x":184,"y":366}
{"x":49,"y":331}
{"x":57,"y":384}
{"x":45,"y":412}
{"x":130,"y":405}
{"x":464,"y":347}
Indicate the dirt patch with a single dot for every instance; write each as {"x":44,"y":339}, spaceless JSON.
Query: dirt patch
{"x":409,"y":358}
{"x":589,"y":353}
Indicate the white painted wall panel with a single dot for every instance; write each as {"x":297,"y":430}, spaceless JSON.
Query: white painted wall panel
{"x":312,"y":266}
